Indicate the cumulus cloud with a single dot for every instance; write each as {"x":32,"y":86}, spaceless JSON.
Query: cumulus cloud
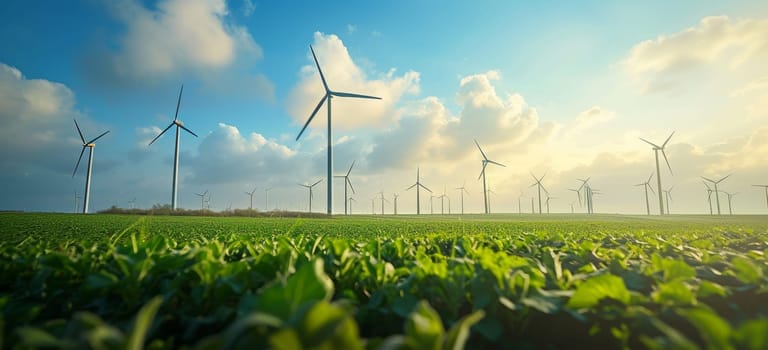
{"x":719,"y":39}
{"x":344,"y":75}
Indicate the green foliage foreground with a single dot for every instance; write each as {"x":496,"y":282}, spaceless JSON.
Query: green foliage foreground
{"x":114,"y":282}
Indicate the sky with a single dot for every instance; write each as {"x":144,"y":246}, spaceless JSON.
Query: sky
{"x":559,"y":89}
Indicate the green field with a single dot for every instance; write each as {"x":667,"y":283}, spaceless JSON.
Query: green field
{"x":406,"y":282}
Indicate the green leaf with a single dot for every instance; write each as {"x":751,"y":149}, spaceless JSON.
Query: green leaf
{"x":589,"y":293}
{"x":459,"y":332}
{"x":326,"y":326}
{"x":752,"y":335}
{"x":424,"y":329}
{"x":674,"y":293}
{"x":285,"y":339}
{"x":33,"y":337}
{"x":308,"y":284}
{"x":746,"y":270}
{"x":143,"y":320}
{"x":707,"y":289}
{"x":674,"y":269}
{"x":714,"y":330}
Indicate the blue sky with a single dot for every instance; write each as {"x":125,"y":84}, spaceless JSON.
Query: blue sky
{"x":556,"y":87}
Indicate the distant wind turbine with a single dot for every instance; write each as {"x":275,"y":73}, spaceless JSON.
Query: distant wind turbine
{"x":179,"y":125}
{"x":656,"y":149}
{"x":571,"y":204}
{"x":132,"y":202}
{"x":709,"y":197}
{"x":350,"y":204}
{"x":717,"y":193}
{"x":266,"y":196}
{"x":395,"y":195}
{"x":482,"y":174}
{"x":90,"y":145}
{"x":329,"y":94}
{"x":202,"y":199}
{"x":766,"y":192}
{"x":548,"y":198}
{"x":540,"y":187}
{"x":490,"y":192}
{"x":442,"y":202}
{"x":578,"y":194}
{"x":587,"y":194}
{"x":519,"y":206}
{"x":418,"y":185}
{"x":431,"y":207}
{"x":250,"y":194}
{"x":76,"y":201}
{"x":462,"y":190}
{"x":347,"y":183}
{"x":668,"y":197}
{"x":381,"y":194}
{"x":310,"y":192}
{"x":646,"y":186}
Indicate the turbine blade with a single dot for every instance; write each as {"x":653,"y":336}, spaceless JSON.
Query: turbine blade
{"x":649,"y":178}
{"x":189,"y":131}
{"x":322,"y":77}
{"x":161,"y":134}
{"x":79,"y":132}
{"x":312,"y":116}
{"x":98,"y":137}
{"x":710,"y":180}
{"x":727,"y":176}
{"x":650,"y":188}
{"x":481,"y":150}
{"x":350,"y":168}
{"x":178,"y":103}
{"x":348,"y":94}
{"x":665,"y":142}
{"x":497,"y":163}
{"x":350,"y":185}
{"x":648,"y":142}
{"x":78,"y":160}
{"x":425,"y":187}
{"x":409,"y":188}
{"x":666,"y":160}
{"x":482,"y":171}
{"x":317,"y":182}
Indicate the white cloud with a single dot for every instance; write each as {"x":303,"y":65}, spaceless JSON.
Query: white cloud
{"x":733,"y":44}
{"x":344,"y":75}
{"x":248,"y":8}
{"x":351,"y":28}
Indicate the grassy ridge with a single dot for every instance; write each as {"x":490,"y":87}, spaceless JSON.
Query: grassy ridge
{"x":504,"y":281}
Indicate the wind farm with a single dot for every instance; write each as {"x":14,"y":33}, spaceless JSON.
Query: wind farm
{"x":644,"y":257}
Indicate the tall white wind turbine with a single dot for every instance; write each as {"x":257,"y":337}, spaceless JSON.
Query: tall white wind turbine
{"x":179,"y":125}
{"x":656,"y":149}
{"x":646,"y":186}
{"x":394,"y":197}
{"x":329,"y":94}
{"x":418,"y":185}
{"x":482,"y":174}
{"x":462,"y":190}
{"x":668,"y":197}
{"x":717,"y":193}
{"x":266,"y":196}
{"x":310,"y":192}
{"x":250,"y":194}
{"x":765,"y":187}
{"x":90,"y":145}
{"x":540,"y":187}
{"x":202,"y":199}
{"x":709,"y":196}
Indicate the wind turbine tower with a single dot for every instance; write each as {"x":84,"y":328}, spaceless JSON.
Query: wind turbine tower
{"x":90,"y":145}
{"x":310,"y":192}
{"x":250,"y":194}
{"x":329,"y":95}
{"x":656,"y":149}
{"x":462,"y":190}
{"x":668,"y":197}
{"x":647,"y":185}
{"x":540,"y":187}
{"x":347,"y":183}
{"x":765,"y":187}
{"x":395,"y":195}
{"x":202,"y":199}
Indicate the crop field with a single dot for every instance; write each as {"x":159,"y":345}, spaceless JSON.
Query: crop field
{"x":428,"y":282}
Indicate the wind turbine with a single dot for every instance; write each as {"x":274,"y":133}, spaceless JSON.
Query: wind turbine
{"x":202,"y":199}
{"x":381,"y":194}
{"x":329,"y":94}
{"x":730,"y":197}
{"x":462,"y":190}
{"x":350,"y":200}
{"x":431,"y":207}
{"x":250,"y":194}
{"x":442,"y":202}
{"x":373,"y":203}
{"x":540,"y":186}
{"x":90,"y":145}
{"x":587,"y":193}
{"x":347,"y":183}
{"x":482,"y":174}
{"x":395,"y":195}
{"x":578,"y":194}
{"x":208,"y":202}
{"x":76,"y":202}
{"x":668,"y":197}
{"x":132,"y":202}
{"x":766,"y":192}
{"x":266,"y":196}
{"x":519,"y":206}
{"x":656,"y":149}
{"x":179,"y":125}
{"x":717,"y":193}
{"x":418,"y":185}
{"x":310,"y":192}
{"x":547,"y":202}
{"x":709,"y":197}
{"x":647,"y":185}
{"x":571,"y":204}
